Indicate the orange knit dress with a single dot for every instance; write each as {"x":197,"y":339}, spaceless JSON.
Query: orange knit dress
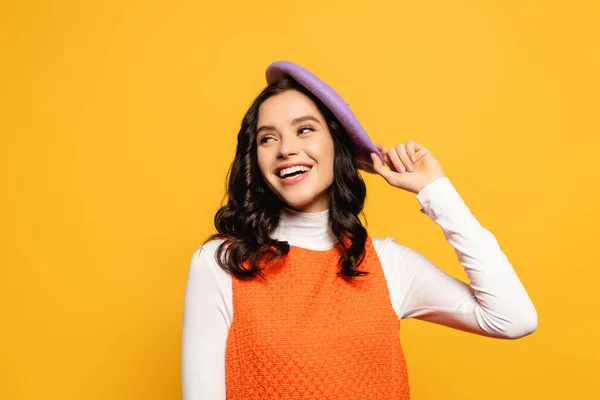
{"x":306,"y":333}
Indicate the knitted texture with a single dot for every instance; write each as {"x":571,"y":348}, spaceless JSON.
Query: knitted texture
{"x":306,"y":333}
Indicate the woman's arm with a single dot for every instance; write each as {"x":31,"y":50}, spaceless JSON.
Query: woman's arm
{"x":206,"y":321}
{"x":495,"y":302}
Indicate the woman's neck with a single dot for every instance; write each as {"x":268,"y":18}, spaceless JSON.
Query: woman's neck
{"x":308,"y":230}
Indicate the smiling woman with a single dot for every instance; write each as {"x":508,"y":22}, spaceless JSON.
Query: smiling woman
{"x":288,"y":126}
{"x":291,"y":298}
{"x":294,"y":141}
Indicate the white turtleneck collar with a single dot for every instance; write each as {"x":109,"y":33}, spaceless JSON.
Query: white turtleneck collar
{"x":308,"y":230}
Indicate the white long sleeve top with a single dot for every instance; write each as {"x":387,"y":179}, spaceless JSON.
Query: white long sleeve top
{"x":494,"y":304}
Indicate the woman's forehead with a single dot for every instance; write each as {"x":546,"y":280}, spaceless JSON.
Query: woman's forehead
{"x":286,"y":107}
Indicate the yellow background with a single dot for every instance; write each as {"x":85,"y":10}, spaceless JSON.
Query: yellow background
{"x":119,"y":121}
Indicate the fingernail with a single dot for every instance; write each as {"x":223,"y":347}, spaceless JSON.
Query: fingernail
{"x":414,"y":159}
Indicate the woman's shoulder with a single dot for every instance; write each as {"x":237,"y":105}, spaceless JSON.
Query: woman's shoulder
{"x":204,"y":260}
{"x":394,"y":256}
{"x":387,"y":244}
{"x":398,"y":259}
{"x":207,"y":249}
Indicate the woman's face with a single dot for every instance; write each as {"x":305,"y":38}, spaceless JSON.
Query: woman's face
{"x":291,"y":130}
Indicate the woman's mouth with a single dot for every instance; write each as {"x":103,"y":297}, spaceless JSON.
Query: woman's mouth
{"x":294,"y":178}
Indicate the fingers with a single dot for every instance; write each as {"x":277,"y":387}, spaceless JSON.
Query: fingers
{"x":403,"y":154}
{"x":402,"y":157}
{"x":410,"y":150}
{"x":378,"y":166}
{"x":395,"y":163}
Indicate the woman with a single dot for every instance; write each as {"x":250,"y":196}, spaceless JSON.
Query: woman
{"x":292,"y":298}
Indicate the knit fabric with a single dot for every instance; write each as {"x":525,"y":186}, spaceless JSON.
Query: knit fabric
{"x":306,"y":333}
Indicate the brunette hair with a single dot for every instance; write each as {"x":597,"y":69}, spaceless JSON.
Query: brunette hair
{"x":252,"y":210}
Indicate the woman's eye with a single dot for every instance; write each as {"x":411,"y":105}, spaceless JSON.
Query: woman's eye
{"x":305,"y":127}
{"x":264,"y":139}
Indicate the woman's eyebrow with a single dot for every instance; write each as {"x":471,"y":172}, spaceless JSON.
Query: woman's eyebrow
{"x":305,"y":118}
{"x":294,"y":122}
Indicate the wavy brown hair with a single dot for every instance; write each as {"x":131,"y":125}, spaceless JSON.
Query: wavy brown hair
{"x":252,"y":210}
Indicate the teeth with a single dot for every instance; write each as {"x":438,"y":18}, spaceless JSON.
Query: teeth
{"x":286,"y":171}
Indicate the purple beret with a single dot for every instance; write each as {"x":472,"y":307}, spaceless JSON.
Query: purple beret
{"x":363,"y":144}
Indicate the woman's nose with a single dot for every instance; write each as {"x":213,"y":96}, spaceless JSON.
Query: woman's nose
{"x":288,"y":147}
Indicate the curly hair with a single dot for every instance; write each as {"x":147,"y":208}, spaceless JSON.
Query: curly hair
{"x":252,"y":211}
